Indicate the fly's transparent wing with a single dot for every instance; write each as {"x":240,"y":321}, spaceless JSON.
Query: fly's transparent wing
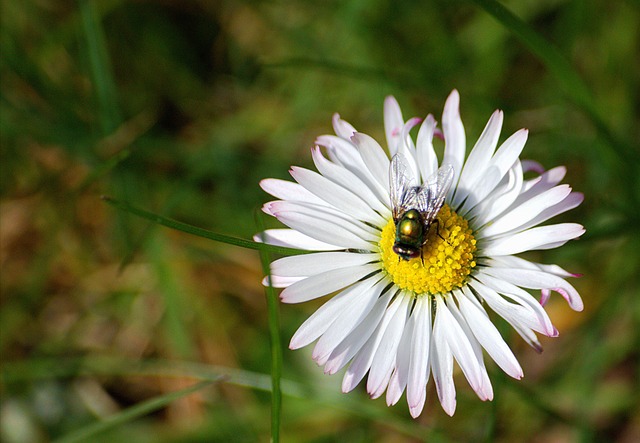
{"x":430,"y":197}
{"x":402,"y":190}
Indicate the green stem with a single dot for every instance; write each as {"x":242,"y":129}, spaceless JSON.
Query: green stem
{"x":276,"y":346}
{"x":199,"y":232}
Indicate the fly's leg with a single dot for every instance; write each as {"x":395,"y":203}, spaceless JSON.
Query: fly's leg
{"x":437,"y":223}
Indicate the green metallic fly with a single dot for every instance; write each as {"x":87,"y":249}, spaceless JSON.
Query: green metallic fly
{"x":415,"y":207}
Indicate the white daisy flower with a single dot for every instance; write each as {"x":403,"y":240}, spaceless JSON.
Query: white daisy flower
{"x":413,"y":254}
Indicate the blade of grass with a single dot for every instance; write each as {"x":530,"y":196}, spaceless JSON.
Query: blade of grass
{"x":560,"y":67}
{"x":276,"y":343}
{"x":129,"y":414}
{"x":100,"y":67}
{"x":176,"y":297}
{"x":353,"y":404}
{"x":199,"y":232}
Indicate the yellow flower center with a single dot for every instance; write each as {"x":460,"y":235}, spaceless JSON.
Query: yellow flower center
{"x":447,"y":256}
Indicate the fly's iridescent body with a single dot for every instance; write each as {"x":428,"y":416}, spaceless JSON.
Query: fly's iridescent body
{"x":415,"y":207}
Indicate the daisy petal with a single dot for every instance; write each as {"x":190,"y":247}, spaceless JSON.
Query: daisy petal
{"x":280,"y":282}
{"x":526,"y":211}
{"x":392,"y":123}
{"x":349,"y":180}
{"x":426,"y":156}
{"x":325,"y":283}
{"x":350,"y":346}
{"x":335,"y":195}
{"x":346,"y":154}
{"x":398,"y":380}
{"x":321,"y":320}
{"x":385,"y":356}
{"x":326,"y":228}
{"x":488,"y":336}
{"x":459,"y":344}
{"x":454,"y":137}
{"x":539,"y":280}
{"x":362,"y":302}
{"x":419,"y":367}
{"x":292,"y":239}
{"x":500,"y":163}
{"x":362,"y":362}
{"x":542,"y":237}
{"x":374,"y":157}
{"x":479,"y":157}
{"x":442,"y":366}
{"x":342,"y":128}
{"x":286,"y":190}
{"x":537,"y":317}
{"x":311,"y":264}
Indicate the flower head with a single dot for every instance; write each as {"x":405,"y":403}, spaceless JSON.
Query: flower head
{"x":414,"y":254}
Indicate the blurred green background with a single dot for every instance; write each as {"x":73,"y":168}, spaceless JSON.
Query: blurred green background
{"x":181,"y":107}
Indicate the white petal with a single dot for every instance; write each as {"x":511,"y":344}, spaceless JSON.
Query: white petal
{"x":407,"y":149}
{"x":454,"y":137}
{"x":327,"y":228}
{"x":392,"y":123}
{"x":386,"y":353}
{"x":479,"y":157}
{"x":374,"y":157}
{"x":540,"y":280}
{"x":280,"y":282}
{"x":345,"y":153}
{"x":510,"y":261}
{"x":400,"y":375}
{"x":500,"y":163}
{"x":349,"y":180}
{"x":419,"y":367}
{"x":321,"y":320}
{"x":485,"y":390}
{"x":310,"y":264}
{"x":542,"y":237}
{"x":573,"y":200}
{"x":325,"y":283}
{"x":358,"y":337}
{"x":346,"y":321}
{"x":488,"y":336}
{"x":516,"y":315}
{"x":459,"y":344}
{"x":546,"y":181}
{"x":342,"y":128}
{"x":528,"y":210}
{"x":426,"y":156}
{"x":292,"y":239}
{"x":336,"y":195}
{"x":362,"y":362}
{"x":286,"y":190}
{"x":501,"y":199}
{"x":442,"y":366}
{"x":540,"y":320}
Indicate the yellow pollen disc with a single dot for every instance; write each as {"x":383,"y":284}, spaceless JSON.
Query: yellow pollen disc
{"x":447,"y":256}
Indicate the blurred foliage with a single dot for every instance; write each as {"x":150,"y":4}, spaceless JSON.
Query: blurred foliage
{"x":182,"y":106}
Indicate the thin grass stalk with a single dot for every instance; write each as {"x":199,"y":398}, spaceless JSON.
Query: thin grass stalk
{"x":276,"y":344}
